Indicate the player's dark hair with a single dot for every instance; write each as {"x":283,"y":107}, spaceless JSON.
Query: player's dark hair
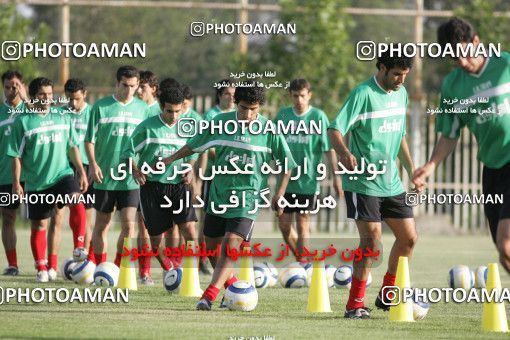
{"x":168,"y":83}
{"x":148,"y":77}
{"x":455,"y":31}
{"x":127,"y":72}
{"x":251,"y":94}
{"x":36,"y":84}
{"x":74,"y":85}
{"x":225,"y":83}
{"x":299,"y":84}
{"x":11,"y":74}
{"x":390,"y":62}
{"x":171,"y":95}
{"x":186,"y":91}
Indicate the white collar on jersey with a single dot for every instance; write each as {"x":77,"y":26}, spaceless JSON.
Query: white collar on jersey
{"x":482,"y":70}
{"x":121,"y":103}
{"x":165,"y":123}
{"x":387,"y":92}
{"x":79,"y":112}
{"x":302,"y":114}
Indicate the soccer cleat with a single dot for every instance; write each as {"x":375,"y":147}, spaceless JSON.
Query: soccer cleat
{"x":358,"y":313}
{"x":80,"y":254}
{"x":52,"y":274}
{"x":379,"y":303}
{"x":204,"y":304}
{"x":147,"y":281}
{"x":42,"y":276}
{"x":222,"y":303}
{"x":11,"y":271}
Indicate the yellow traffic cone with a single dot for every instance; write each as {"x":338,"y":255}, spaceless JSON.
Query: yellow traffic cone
{"x":190,"y":285}
{"x":404,"y":310}
{"x":246,"y":270}
{"x":494,"y":316}
{"x":318,"y":295}
{"x":127,"y":275}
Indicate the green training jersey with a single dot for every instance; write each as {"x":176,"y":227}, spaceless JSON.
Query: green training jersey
{"x":7,"y":117}
{"x":111,"y":125}
{"x":376,"y":120}
{"x":154,"y":109}
{"x":253,"y":149}
{"x":482,"y":103}
{"x":154,"y":138}
{"x":80,"y":122}
{"x":209,"y":115}
{"x":305,"y":147}
{"x":42,"y":142}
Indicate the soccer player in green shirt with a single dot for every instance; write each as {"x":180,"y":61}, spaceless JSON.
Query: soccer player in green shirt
{"x":374,"y":115}
{"x":307,"y":148}
{"x":156,"y":137}
{"x":112,"y":121}
{"x":477,"y":77}
{"x":15,"y":94}
{"x":234,"y":225}
{"x":42,"y":140}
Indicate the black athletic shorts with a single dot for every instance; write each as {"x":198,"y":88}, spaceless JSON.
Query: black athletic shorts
{"x":206,"y":186}
{"x":158,"y":219}
{"x":6,"y":200}
{"x":216,"y":226}
{"x":301,"y":199}
{"x":375,"y":209}
{"x":106,"y":200}
{"x":496,"y":182}
{"x":89,"y":194}
{"x":41,"y":209}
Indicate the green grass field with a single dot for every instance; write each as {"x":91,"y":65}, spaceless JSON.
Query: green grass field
{"x":281,"y":313}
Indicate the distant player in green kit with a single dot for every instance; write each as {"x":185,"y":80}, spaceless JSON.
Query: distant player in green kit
{"x":230,"y":227}
{"x":477,"y":77}
{"x":113,"y":119}
{"x":308,"y":148}
{"x":15,"y":94}
{"x":374,"y":115}
{"x":43,"y":141}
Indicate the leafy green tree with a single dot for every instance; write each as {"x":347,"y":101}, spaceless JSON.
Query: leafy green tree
{"x":15,"y":27}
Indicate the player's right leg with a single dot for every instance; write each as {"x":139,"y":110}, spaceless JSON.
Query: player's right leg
{"x":54,"y":239}
{"x":9,"y":240}
{"x":503,"y":243}
{"x":38,"y":243}
{"x":100,"y":235}
{"x":127,"y":225}
{"x":365,"y":210}
{"x":288,"y":232}
{"x":303,"y":232}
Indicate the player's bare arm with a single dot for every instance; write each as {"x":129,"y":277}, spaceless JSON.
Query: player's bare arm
{"x":16,"y":173}
{"x":333,"y":166}
{"x":405,"y":157}
{"x":338,"y":143}
{"x":443,"y":148}
{"x":74,"y":156}
{"x":96,"y":170}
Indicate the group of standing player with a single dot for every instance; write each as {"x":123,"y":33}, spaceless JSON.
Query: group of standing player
{"x":122,"y":129}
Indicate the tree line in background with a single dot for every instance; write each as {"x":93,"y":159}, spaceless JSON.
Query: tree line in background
{"x":323,"y":50}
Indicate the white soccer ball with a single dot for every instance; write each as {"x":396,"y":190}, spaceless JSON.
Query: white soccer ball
{"x":172,"y":280}
{"x":241,"y":296}
{"x":292,"y":276}
{"x":420,"y":308}
{"x":107,"y":274}
{"x":273,"y":273}
{"x":67,"y":268}
{"x":461,"y":277}
{"x":343,"y":276}
{"x":83,"y":272}
{"x":261,"y":275}
{"x":480,"y":274}
{"x":330,"y":275}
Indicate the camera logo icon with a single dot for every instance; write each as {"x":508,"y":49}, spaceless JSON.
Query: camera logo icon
{"x":5,"y":199}
{"x":391,"y":295}
{"x":186,"y":127}
{"x":365,"y":50}
{"x":197,"y":29}
{"x":11,"y":50}
{"x":412,"y":199}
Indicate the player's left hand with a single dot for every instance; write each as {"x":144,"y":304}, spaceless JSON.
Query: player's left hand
{"x":84,"y":183}
{"x":274,"y":204}
{"x":187,"y":178}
